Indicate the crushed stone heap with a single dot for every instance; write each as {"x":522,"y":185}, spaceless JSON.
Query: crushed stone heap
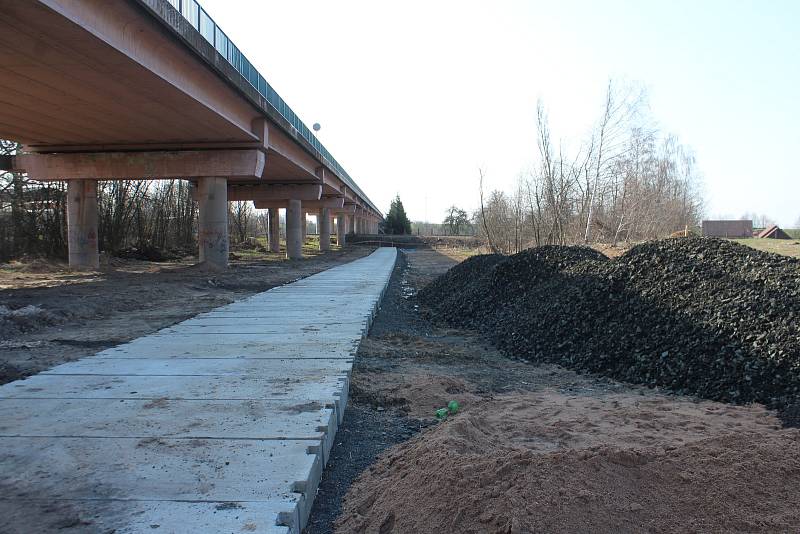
{"x":699,"y":316}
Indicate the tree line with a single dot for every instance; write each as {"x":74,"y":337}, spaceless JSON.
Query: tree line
{"x":626,"y":182}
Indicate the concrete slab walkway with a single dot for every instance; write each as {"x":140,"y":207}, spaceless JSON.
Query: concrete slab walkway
{"x":222,"y":423}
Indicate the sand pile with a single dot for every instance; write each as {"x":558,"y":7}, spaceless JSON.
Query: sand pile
{"x":700,"y":316}
{"x":418,"y":395}
{"x":549,"y":462}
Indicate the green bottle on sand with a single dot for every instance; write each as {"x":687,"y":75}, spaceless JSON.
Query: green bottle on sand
{"x":452,"y":407}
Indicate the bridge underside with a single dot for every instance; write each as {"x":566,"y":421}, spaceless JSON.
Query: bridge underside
{"x":99,"y":90}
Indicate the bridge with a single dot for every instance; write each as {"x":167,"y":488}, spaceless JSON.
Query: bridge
{"x":154,"y":89}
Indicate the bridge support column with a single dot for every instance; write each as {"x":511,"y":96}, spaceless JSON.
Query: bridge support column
{"x":351,"y":224}
{"x":274,"y":230}
{"x":212,"y":219}
{"x":324,"y":224}
{"x":295,"y":220}
{"x":303,"y":226}
{"x":341,"y":226}
{"x":82,"y":224}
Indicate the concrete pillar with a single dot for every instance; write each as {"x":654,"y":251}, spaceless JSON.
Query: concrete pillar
{"x":341,"y":226}
{"x":295,"y":221}
{"x":304,"y":226}
{"x":212,"y":221}
{"x":274,"y":230}
{"x":351,"y":224}
{"x":82,"y":224}
{"x":324,"y":227}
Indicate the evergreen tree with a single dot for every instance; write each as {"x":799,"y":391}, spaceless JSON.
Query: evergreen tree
{"x":396,"y":221}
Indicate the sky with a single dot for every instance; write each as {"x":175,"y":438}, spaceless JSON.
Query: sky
{"x":414,"y":97}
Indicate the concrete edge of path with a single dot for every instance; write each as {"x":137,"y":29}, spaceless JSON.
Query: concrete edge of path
{"x":309,"y":487}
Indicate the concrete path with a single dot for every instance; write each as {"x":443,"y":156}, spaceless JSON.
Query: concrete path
{"x":222,"y":423}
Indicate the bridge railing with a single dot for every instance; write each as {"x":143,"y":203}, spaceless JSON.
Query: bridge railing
{"x":203,"y":23}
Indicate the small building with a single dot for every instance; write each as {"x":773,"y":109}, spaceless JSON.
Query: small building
{"x":742,"y":228}
{"x":773,"y":232}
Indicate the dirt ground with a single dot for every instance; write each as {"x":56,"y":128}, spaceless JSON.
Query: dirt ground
{"x":537,"y":448}
{"x":50,"y":315}
{"x":533,"y":448}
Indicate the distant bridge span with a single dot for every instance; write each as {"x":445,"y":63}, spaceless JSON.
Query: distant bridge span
{"x":153,"y":89}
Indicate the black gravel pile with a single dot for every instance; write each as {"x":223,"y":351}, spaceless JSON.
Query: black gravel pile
{"x":470,"y":293}
{"x":699,"y":316}
{"x":446,"y":292}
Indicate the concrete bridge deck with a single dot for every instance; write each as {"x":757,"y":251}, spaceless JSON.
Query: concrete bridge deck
{"x":154,"y":89}
{"x":222,"y":423}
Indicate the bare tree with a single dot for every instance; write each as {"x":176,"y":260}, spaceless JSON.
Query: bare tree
{"x":455,"y":220}
{"x":483,"y":215}
{"x":31,"y":213}
{"x":626,"y":182}
{"x":610,"y":143}
{"x":240,"y":216}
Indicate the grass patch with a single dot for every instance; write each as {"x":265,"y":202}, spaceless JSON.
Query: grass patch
{"x":786,"y":247}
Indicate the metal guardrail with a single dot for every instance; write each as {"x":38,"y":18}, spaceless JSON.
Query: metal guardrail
{"x":203,"y":23}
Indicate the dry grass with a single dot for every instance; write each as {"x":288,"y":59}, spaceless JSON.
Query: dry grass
{"x":459,"y":254}
{"x":787,"y":247}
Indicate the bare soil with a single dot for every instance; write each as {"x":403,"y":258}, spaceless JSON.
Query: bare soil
{"x":538,"y":448}
{"x":51,"y":315}
{"x":533,"y":448}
